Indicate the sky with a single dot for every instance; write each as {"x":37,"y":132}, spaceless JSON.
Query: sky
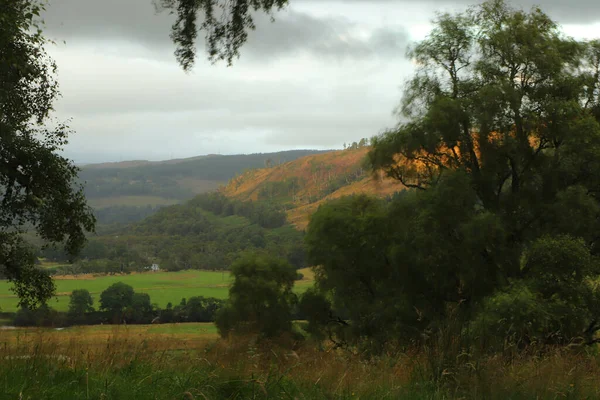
{"x":323,"y":74}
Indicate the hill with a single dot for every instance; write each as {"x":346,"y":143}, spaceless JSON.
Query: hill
{"x":300,"y":186}
{"x":128,"y":191}
{"x":257,"y":209}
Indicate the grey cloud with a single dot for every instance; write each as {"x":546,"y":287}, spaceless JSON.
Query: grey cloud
{"x":324,"y":37}
{"x":129,"y":20}
{"x":136,"y":21}
{"x":565,"y":11}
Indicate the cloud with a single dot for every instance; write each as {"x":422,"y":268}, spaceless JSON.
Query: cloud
{"x":330,"y":37}
{"x":126,"y":108}
{"x":322,"y":74}
{"x":136,"y":21}
{"x":108,"y":20}
{"x":571,"y":12}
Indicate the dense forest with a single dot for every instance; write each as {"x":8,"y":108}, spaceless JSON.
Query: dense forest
{"x":207,"y":232}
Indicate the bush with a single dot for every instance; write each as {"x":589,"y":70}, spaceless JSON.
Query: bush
{"x":260,"y":299}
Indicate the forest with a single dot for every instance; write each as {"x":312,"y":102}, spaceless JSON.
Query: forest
{"x":207,"y":233}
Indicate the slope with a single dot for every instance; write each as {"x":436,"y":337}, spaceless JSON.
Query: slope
{"x":300,"y":186}
{"x":131,"y":190}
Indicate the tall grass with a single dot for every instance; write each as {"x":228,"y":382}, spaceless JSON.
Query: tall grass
{"x":128,"y":365}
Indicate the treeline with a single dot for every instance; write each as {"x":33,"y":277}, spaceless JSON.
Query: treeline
{"x":362,"y":143}
{"x":119,"y":304}
{"x":208,"y":232}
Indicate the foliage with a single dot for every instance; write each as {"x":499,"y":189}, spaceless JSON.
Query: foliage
{"x":501,"y":147}
{"x":207,"y":232}
{"x":37,"y":183}
{"x":225,"y":34}
{"x":260,"y":299}
{"x":317,"y":310}
{"x":41,"y":316}
{"x":116,"y":299}
{"x":141,"y":311}
{"x":555,"y":302}
{"x":80,"y":303}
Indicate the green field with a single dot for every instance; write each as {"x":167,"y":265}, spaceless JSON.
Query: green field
{"x":163,"y":287}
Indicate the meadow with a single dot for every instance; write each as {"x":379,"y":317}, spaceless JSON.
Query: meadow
{"x":189,"y":361}
{"x":163,"y":287}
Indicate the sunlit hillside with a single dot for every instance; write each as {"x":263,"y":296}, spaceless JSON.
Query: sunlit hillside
{"x":303,"y":184}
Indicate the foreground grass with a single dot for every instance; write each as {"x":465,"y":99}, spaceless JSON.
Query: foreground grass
{"x":163,"y":287}
{"x":138,"y":363}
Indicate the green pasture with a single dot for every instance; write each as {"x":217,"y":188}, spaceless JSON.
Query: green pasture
{"x":163,"y":287}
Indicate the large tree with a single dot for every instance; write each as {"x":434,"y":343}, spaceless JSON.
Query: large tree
{"x":504,"y":97}
{"x":37,"y":184}
{"x":500,"y":143}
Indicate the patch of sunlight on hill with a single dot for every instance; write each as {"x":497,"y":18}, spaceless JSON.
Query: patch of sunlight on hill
{"x":319,"y":178}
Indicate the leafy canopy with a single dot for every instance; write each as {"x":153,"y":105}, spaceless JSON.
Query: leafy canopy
{"x":226,"y":24}
{"x":37,"y":190}
{"x":116,"y":298}
{"x":261,"y":298}
{"x":501,"y":143}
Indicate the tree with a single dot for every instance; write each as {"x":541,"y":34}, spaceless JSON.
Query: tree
{"x":517,"y":120}
{"x":80,"y":303}
{"x":115,"y":299}
{"x":38,"y":185}
{"x":225,"y":33}
{"x":555,"y":302}
{"x":503,"y":109}
{"x":260,"y":299}
{"x":140,"y":311}
{"x":501,"y":146}
{"x":348,"y":240}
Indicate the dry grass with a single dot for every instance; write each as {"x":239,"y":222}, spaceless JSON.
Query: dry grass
{"x":560,"y":373}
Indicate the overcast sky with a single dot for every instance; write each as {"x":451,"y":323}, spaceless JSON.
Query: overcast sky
{"x":323,"y":74}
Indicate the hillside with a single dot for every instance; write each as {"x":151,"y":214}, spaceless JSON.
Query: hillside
{"x":303,"y":184}
{"x":208,"y":232}
{"x":128,"y":191}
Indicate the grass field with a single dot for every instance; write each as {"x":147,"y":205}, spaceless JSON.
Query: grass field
{"x":187,"y":361}
{"x":163,"y":287}
{"x":95,"y":333}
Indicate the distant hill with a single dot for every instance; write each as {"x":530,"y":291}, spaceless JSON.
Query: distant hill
{"x":141,"y":163}
{"x":257,"y":209}
{"x":131,"y":190}
{"x":300,"y":186}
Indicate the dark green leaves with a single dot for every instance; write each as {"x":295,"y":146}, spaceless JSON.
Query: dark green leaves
{"x":226,"y":24}
{"x":37,"y":184}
